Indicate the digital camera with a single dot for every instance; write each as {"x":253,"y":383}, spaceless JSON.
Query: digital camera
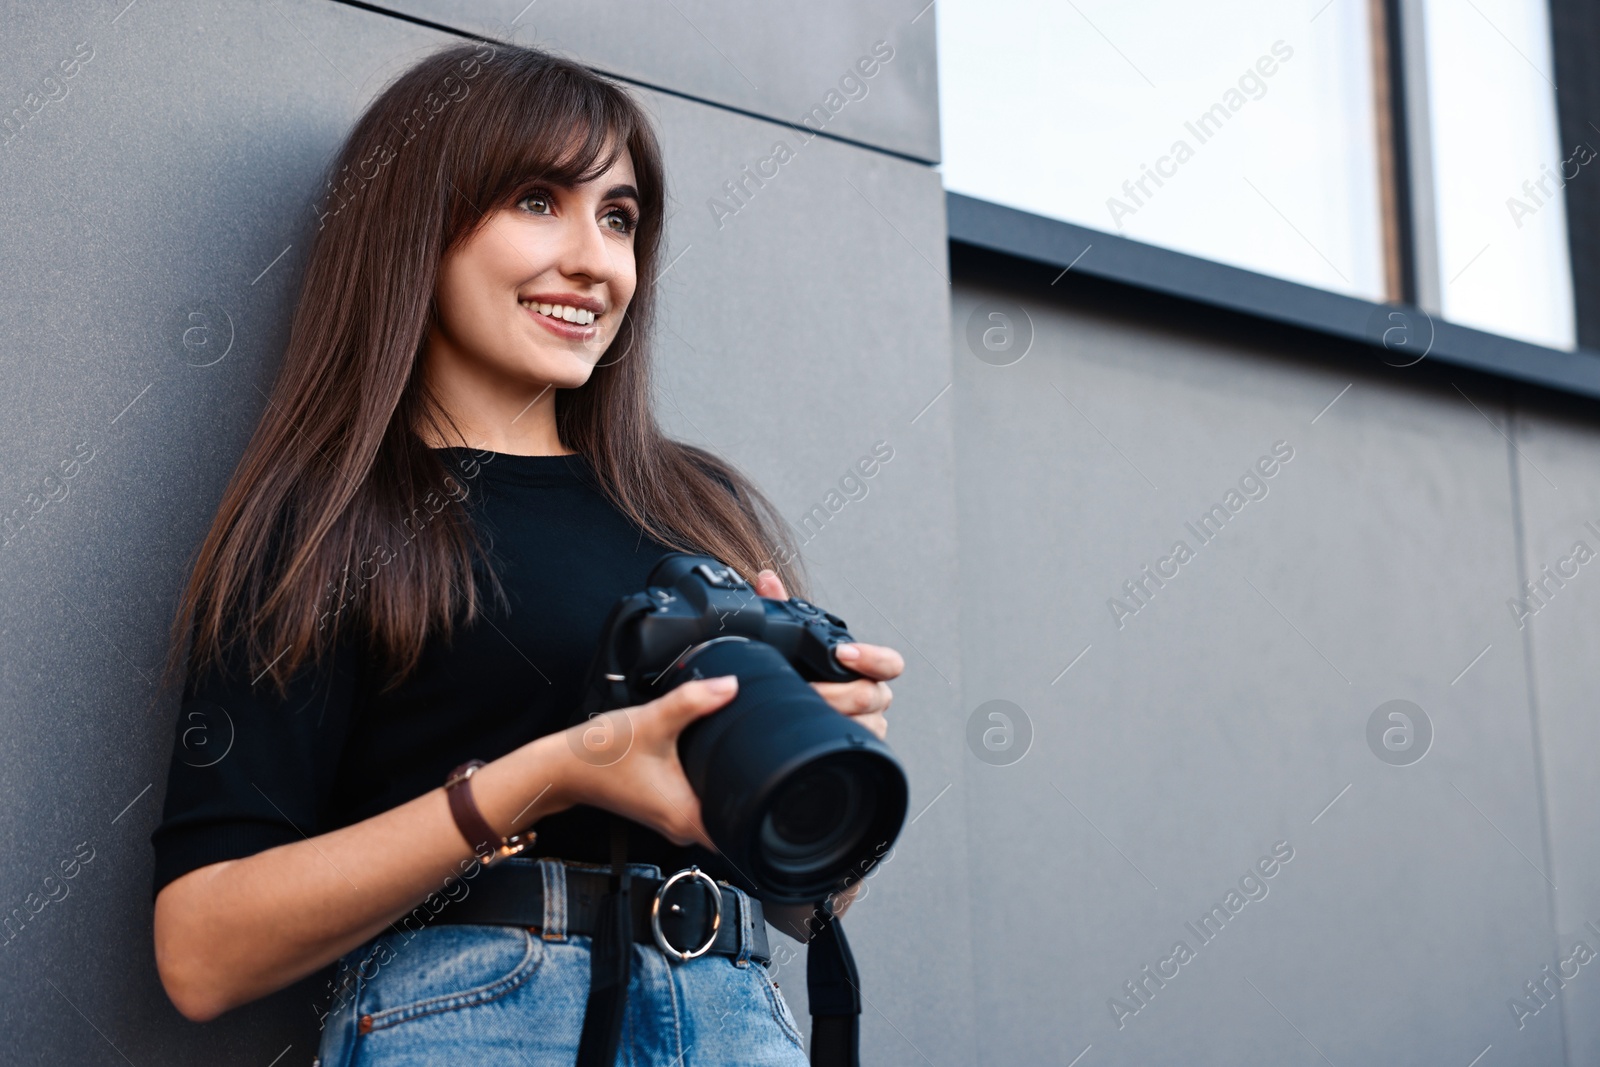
{"x":794,"y":795}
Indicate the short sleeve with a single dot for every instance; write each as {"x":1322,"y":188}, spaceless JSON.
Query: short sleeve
{"x":252,"y":769}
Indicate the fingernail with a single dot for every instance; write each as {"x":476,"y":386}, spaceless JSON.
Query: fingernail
{"x":727,"y":683}
{"x":847,"y":653}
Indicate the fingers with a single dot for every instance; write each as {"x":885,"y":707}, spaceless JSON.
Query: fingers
{"x":864,"y":701}
{"x":693,"y":699}
{"x":861,"y":697}
{"x":876,"y":723}
{"x":768,"y":584}
{"x":874,"y":661}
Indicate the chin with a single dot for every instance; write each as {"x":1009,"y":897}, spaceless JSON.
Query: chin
{"x":564,"y":371}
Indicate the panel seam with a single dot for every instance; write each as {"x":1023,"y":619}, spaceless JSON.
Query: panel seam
{"x":454,"y":31}
{"x":1519,"y":541}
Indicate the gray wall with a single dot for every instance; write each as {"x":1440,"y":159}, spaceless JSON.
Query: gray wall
{"x":177,"y":178}
{"x":777,"y":61}
{"x":1231,"y":709}
{"x":183,"y":160}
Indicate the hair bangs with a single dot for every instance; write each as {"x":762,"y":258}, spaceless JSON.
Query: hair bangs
{"x":556,"y":130}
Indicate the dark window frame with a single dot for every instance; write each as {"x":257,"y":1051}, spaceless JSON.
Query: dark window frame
{"x":1398,"y":331}
{"x":1575,"y":44}
{"x":1575,"y":33}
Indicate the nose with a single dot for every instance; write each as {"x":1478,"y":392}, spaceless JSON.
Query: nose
{"x":586,"y":255}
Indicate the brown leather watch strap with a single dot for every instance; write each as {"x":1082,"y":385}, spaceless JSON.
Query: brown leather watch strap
{"x":487,"y":845}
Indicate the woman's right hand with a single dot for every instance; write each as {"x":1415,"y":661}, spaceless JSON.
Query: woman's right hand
{"x":626,"y":760}
{"x":236,"y":930}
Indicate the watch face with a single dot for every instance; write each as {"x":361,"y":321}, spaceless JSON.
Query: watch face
{"x":462,"y":773}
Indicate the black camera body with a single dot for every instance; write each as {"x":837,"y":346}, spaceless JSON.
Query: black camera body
{"x":797,"y":797}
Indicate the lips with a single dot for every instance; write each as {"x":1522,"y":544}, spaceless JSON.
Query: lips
{"x":578,"y":314}
{"x":563,"y":327}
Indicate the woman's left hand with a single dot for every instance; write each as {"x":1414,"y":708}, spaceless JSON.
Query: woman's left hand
{"x":865,"y":699}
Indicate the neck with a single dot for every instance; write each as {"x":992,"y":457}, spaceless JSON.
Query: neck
{"x":514,"y":418}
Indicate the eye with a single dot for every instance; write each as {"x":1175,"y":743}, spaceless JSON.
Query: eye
{"x":540,"y":201}
{"x":621,"y":219}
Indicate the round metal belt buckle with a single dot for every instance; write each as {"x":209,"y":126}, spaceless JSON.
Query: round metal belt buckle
{"x":666,"y":947}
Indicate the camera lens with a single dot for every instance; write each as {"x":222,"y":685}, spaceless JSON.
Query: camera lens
{"x":815,"y":820}
{"x":795,"y":795}
{"x":809,"y":806}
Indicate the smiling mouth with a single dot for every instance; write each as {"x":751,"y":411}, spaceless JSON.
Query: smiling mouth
{"x":563,"y":312}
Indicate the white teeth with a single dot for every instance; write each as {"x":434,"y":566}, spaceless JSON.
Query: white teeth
{"x":577,"y":316}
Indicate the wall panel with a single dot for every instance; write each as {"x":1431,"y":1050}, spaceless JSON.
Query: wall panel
{"x":178,"y":176}
{"x":1560,"y":625}
{"x":778,"y":61}
{"x":1230,"y":710}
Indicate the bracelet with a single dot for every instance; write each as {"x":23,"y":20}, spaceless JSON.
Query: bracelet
{"x":480,"y":837}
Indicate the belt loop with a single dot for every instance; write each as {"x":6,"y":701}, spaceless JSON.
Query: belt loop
{"x":747,"y":933}
{"x":555,"y":899}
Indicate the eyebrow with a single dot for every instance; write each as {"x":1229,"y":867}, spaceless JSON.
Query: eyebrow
{"x":619,"y":191}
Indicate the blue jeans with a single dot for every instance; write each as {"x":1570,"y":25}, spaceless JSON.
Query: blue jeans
{"x":449,"y":994}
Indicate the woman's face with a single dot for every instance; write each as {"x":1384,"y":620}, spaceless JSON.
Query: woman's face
{"x":535,"y":296}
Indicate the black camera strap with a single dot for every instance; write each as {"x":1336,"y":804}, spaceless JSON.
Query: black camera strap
{"x":610,"y":962}
{"x":834,"y":990}
{"x":833,"y":985}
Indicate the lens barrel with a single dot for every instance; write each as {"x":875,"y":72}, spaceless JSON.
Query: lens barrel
{"x":795,"y":795}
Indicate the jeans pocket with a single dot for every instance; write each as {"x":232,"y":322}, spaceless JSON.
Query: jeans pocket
{"x":780,"y":1007}
{"x":443,"y":969}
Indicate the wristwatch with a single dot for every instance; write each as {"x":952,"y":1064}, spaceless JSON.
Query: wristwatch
{"x":489,"y":847}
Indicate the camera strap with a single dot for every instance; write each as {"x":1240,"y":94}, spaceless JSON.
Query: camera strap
{"x":610,"y":962}
{"x":833,"y":985}
{"x":834,"y":990}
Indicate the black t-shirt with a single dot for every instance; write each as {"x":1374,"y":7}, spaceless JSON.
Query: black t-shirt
{"x":251,"y":770}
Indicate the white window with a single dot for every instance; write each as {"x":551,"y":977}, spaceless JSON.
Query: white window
{"x":1497,"y":169}
{"x":1247,"y":132}
{"x":1238,"y":130}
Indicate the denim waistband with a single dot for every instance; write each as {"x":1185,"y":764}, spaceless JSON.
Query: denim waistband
{"x":553,"y":871}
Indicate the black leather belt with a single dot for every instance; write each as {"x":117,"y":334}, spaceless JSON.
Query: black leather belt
{"x":683,"y":918}
{"x":679,"y":919}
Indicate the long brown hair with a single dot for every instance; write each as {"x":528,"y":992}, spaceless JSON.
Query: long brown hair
{"x":336,"y":465}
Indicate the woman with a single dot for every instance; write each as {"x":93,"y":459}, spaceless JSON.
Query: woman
{"x":457,"y":474}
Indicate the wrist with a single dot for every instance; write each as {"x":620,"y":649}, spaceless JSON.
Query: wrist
{"x":523,"y":786}
{"x":570,"y":775}
{"x":557,"y":772}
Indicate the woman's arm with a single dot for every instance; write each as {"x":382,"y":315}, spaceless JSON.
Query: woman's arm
{"x":230,"y":932}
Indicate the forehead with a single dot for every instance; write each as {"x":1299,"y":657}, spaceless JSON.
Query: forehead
{"x":619,"y":173}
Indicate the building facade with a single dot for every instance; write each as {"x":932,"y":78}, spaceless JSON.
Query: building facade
{"x":1248,"y":707}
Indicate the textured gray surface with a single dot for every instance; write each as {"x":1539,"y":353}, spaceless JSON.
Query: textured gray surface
{"x":177,"y":175}
{"x":780,"y":61}
{"x":1231,"y":710}
{"x":180,"y":164}
{"x":1563,"y":635}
